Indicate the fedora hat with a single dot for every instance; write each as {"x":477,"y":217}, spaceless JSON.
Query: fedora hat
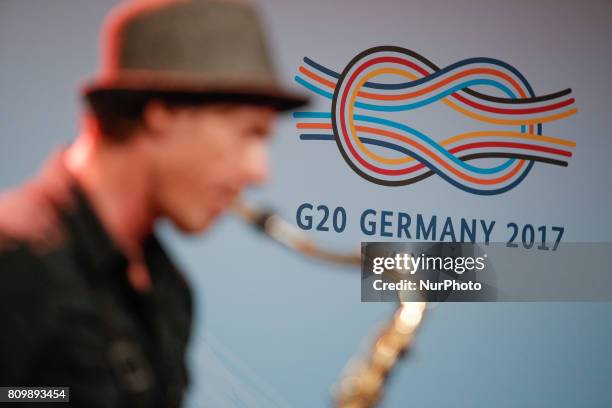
{"x":208,"y":47}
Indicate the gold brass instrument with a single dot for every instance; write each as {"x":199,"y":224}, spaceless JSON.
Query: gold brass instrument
{"x":362,"y":384}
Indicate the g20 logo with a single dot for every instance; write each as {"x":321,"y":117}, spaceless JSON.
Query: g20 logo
{"x":389,"y":152}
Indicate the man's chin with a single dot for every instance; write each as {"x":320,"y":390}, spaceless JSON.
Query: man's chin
{"x":194,"y":225}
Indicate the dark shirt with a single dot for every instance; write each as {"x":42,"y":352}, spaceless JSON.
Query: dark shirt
{"x":68,"y":314}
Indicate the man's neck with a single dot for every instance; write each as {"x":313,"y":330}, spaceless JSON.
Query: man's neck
{"x":115,"y":180}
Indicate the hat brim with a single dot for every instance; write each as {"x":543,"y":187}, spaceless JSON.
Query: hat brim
{"x":274,"y":96}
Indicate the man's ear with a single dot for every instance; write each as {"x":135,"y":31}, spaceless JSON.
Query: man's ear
{"x":157,"y":117}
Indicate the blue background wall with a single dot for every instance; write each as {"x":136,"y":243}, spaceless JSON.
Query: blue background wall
{"x":274,"y":329}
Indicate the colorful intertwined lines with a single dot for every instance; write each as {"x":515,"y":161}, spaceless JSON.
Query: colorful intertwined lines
{"x":391,"y":153}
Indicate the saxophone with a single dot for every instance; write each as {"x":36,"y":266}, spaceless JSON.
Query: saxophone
{"x":363,"y":380}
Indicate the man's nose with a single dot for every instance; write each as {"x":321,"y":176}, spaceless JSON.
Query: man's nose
{"x":256,"y":166}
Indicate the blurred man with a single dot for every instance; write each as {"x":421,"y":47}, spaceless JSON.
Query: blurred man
{"x":176,"y":126}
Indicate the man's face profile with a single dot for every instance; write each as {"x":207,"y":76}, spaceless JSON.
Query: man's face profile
{"x":202,"y":157}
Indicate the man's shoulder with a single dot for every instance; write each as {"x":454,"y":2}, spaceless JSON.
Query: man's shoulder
{"x":27,"y":236}
{"x":25,"y":220}
{"x":31,"y":215}
{"x":32,"y":231}
{"x":36,"y":259}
